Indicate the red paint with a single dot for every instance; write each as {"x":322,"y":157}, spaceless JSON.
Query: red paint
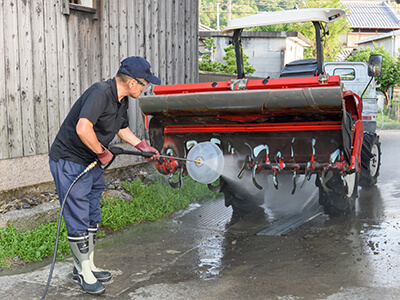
{"x":266,"y":127}
{"x":272,"y":84}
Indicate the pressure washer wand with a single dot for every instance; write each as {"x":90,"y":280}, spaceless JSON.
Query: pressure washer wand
{"x":116,"y":150}
{"x":197,"y":161}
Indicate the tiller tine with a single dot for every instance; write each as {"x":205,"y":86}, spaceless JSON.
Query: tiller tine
{"x":279,"y":160}
{"x":253,"y":177}
{"x":274,"y":177}
{"x":246,"y":161}
{"x":324,"y":177}
{"x":251,"y":151}
{"x":310,"y":164}
{"x":307,"y":177}
{"x":260,"y":148}
{"x":255,"y":152}
{"x":177,"y":184}
{"x":296,"y":168}
{"x":335,"y":154}
{"x":214,"y":188}
{"x":313,"y":142}
{"x":292,"y":148}
{"x":294,"y":181}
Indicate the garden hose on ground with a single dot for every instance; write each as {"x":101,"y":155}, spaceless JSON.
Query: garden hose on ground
{"x":89,"y":167}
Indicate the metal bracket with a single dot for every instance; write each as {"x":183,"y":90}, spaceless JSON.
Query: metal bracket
{"x":322,"y":78}
{"x":239,"y":84}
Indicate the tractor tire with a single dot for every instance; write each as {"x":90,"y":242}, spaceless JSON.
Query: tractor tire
{"x":370,"y":166}
{"x":340,"y":200}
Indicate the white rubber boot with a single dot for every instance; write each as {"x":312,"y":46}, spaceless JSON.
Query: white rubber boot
{"x":79,"y":245}
{"x":100,"y":274}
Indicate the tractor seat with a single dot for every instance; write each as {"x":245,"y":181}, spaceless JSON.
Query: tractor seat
{"x":300,"y":68}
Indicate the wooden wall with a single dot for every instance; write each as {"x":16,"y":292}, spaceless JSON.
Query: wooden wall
{"x":50,"y":52}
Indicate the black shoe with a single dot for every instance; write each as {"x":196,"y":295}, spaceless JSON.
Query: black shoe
{"x":101,"y":276}
{"x":96,"y":288}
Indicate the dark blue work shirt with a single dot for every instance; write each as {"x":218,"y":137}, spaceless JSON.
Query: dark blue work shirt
{"x":99,"y":104}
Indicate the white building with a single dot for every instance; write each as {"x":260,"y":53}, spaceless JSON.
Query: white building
{"x":389,"y":40}
{"x":268,"y":51}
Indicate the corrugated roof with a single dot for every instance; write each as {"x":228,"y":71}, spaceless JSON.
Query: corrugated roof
{"x":203,"y":27}
{"x":344,"y":54}
{"x":371,"y":14}
{"x":379,"y":37}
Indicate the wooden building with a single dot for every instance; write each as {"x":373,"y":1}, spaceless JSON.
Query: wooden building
{"x":52,"y":50}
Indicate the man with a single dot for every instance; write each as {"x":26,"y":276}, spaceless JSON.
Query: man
{"x":95,"y":118}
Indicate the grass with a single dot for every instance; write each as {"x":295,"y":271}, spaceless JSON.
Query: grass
{"x":149,"y":203}
{"x":30,"y":245}
{"x":391,"y":117}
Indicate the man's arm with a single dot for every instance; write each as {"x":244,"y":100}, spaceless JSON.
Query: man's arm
{"x":127,"y":135}
{"x":85,"y":131}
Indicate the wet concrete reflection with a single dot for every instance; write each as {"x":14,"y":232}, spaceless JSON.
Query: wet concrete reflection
{"x":339,"y":255}
{"x":204,"y":253}
{"x":379,"y":231}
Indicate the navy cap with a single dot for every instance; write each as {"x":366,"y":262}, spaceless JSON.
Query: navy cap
{"x":138,"y":67}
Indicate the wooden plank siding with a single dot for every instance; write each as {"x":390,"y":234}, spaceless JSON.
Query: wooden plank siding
{"x":50,"y":53}
{"x":12,"y":78}
{"x":4,"y":146}
{"x":39,"y":82}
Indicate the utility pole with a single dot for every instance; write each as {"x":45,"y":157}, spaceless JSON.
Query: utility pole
{"x":229,"y":15}
{"x":218,"y":16}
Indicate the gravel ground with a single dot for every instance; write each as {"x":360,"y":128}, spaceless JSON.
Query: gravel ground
{"x":30,"y":201}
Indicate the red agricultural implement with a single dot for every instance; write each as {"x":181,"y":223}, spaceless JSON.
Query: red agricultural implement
{"x":302,"y":123}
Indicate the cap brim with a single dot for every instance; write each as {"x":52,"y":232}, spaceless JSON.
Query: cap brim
{"x":154,"y":80}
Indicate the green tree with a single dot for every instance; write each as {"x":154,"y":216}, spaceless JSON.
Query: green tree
{"x":274,"y":5}
{"x":239,"y":8}
{"x":230,"y":58}
{"x":331,"y":43}
{"x":207,"y":64}
{"x":390,"y":75}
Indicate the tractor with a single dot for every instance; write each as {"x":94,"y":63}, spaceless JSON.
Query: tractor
{"x":304,"y":124}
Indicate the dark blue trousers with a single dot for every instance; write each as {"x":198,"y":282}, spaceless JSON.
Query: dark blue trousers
{"x":82,"y":207}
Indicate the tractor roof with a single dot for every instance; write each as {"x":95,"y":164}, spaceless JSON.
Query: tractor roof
{"x":326,"y":15}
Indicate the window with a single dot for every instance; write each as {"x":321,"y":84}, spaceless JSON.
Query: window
{"x":88,"y":6}
{"x":85,"y":3}
{"x":345,"y":73}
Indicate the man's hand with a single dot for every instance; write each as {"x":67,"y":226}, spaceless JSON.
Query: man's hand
{"x":104,"y":157}
{"x":145,"y":147}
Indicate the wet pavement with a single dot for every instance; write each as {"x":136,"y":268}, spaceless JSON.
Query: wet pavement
{"x":201,"y":253}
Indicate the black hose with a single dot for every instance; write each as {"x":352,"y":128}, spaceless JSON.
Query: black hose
{"x":91,"y":166}
{"x":115,"y":150}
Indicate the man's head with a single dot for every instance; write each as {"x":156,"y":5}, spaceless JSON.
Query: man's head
{"x":138,"y":67}
{"x":136,"y":74}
